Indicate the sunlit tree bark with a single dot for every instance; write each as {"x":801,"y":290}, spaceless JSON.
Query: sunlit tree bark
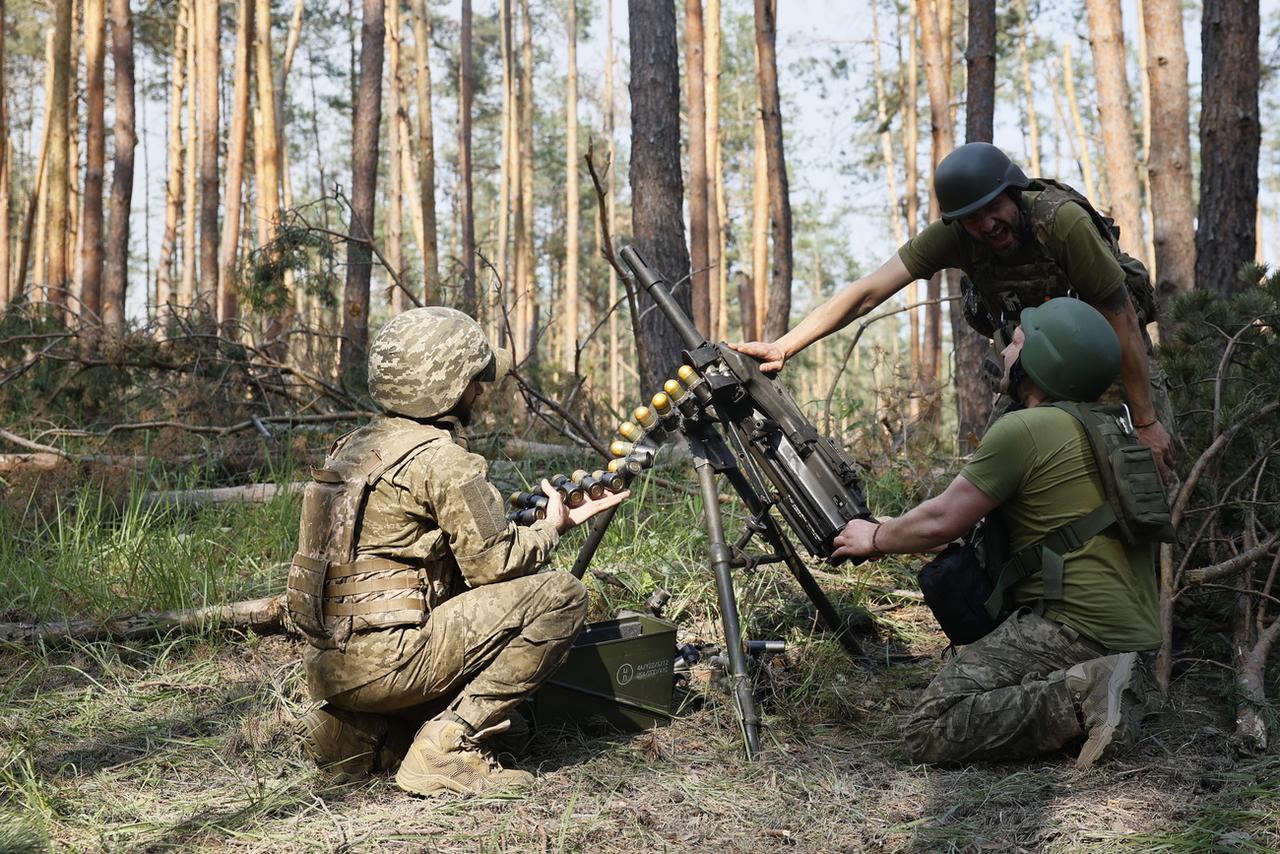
{"x":116,"y":272}
{"x":695,"y":80}
{"x":569,"y":307}
{"x":364,"y":178}
{"x":95,"y":31}
{"x":58,"y":271}
{"x":1115,"y":115}
{"x":237,"y":142}
{"x":778,"y":316}
{"x":1169,"y":162}
{"x":208,"y":59}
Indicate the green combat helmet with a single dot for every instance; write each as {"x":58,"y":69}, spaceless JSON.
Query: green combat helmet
{"x":971,"y":176}
{"x":1071,"y":351}
{"x":422,"y":360}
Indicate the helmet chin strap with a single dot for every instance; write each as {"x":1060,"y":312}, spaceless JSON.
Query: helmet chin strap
{"x":1016,"y":375}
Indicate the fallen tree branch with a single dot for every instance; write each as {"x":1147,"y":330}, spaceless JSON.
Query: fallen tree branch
{"x":253,"y":493}
{"x":1227,"y":567}
{"x":263,"y":616}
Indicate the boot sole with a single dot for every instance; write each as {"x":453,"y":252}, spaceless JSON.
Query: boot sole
{"x":1102,"y":736}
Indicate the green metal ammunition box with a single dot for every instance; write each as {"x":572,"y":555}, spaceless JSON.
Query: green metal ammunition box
{"x":618,"y":671}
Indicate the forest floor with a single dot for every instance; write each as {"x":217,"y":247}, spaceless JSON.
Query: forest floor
{"x":185,"y":741}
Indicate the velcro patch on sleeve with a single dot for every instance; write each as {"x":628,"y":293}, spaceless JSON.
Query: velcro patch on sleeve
{"x":485,"y":510}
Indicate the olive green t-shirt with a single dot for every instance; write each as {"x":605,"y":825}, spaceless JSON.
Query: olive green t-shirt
{"x":1037,"y":464}
{"x":1074,"y":242}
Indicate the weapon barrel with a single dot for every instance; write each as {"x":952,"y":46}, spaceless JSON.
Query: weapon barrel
{"x":660,"y":291}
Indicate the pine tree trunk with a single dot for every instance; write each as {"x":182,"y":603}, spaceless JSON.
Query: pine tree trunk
{"x":5,"y":295}
{"x":75,"y":194}
{"x":95,"y":31}
{"x":715,"y":182}
{"x":526,"y":281}
{"x":1229,"y":138}
{"x":943,"y":138}
{"x":778,"y":316}
{"x":1082,"y":140}
{"x":1169,"y":163}
{"x":657,"y":194}
{"x":265,"y":135}
{"x":615,"y":357}
{"x":1144,"y":147}
{"x":505,"y":172}
{"x":973,"y":395}
{"x":1028,"y":91}
{"x":466,"y":88}
{"x":395,"y":189}
{"x":1115,"y":114}
{"x":58,"y":272}
{"x":190,"y":165}
{"x":886,"y":137}
{"x":910,"y":145}
{"x":116,"y":274}
{"x":173,"y":182}
{"x":695,"y":79}
{"x":364,"y":178}
{"x":208,"y":56}
{"x":570,"y":297}
{"x":40,"y":195}
{"x":237,"y":142}
{"x":759,"y":226}
{"x":426,"y":149}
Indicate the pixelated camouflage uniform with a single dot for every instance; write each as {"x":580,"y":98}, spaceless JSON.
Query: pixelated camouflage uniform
{"x":490,"y":628}
{"x":1005,"y":696}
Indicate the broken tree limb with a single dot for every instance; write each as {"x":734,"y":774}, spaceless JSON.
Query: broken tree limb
{"x":253,"y":493}
{"x":264,"y":616}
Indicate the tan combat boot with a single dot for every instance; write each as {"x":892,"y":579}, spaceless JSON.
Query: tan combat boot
{"x":1108,"y":691}
{"x":347,"y":745}
{"x":443,"y":758}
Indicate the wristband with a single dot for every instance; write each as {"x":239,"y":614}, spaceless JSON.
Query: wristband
{"x":874,"y":533}
{"x":1144,"y":426}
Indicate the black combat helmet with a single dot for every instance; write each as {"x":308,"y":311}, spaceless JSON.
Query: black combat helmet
{"x":971,"y":176}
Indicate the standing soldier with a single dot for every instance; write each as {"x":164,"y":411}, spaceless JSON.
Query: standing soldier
{"x":1020,"y":242}
{"x":419,"y":600}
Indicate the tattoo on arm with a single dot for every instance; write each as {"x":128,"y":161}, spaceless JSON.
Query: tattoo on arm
{"x":1115,"y":303}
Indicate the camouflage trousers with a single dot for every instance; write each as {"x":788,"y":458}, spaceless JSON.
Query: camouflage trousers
{"x":485,"y":650}
{"x":1003,"y":697}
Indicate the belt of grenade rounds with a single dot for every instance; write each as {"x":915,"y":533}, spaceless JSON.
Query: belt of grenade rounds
{"x":633,"y":450}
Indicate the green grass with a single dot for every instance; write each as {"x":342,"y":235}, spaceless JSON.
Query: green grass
{"x":185,"y":741}
{"x":87,"y":557}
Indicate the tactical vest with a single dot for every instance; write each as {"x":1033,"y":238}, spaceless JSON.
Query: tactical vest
{"x":1134,"y":506}
{"x":332,"y":592}
{"x":999,"y":291}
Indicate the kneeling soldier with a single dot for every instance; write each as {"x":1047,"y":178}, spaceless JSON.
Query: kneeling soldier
{"x":1075,"y":567}
{"x":419,"y":600}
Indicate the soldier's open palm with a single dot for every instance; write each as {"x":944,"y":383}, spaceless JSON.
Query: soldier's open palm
{"x":565,"y":518}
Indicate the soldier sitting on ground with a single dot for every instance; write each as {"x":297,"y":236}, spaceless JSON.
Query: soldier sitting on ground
{"x":420,"y":601}
{"x":1069,"y":661}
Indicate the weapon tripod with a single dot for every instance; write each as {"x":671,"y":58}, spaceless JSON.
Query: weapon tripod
{"x":713,"y":456}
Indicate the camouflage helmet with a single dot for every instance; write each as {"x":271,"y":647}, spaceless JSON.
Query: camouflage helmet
{"x":973,"y":174}
{"x":1070,"y":350}
{"x":422,"y":360}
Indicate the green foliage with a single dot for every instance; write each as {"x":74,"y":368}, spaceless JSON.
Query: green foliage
{"x":1223,"y":364}
{"x":311,"y":255}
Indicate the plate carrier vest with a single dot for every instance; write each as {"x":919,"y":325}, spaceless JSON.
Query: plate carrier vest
{"x":1135,"y":505}
{"x":998,"y":292}
{"x":332,"y":592}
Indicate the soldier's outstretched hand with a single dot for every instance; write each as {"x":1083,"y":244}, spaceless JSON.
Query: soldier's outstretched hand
{"x":771,"y":355}
{"x":565,"y":518}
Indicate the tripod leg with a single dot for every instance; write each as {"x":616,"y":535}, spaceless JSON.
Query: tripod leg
{"x":599,"y":525}
{"x":739,"y":680}
{"x":816,"y":594}
{"x":782,"y":546}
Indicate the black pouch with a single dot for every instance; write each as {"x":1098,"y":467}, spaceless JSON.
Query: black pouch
{"x":956,"y":589}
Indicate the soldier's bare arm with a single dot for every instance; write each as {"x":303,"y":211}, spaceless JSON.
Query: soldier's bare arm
{"x":848,"y":304}
{"x":933,"y":523}
{"x":1134,"y":373}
